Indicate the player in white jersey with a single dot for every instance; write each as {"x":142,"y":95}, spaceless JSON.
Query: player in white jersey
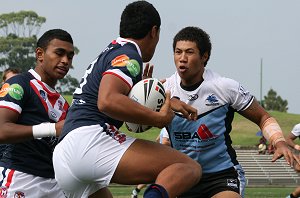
{"x":292,"y":136}
{"x":216,"y":98}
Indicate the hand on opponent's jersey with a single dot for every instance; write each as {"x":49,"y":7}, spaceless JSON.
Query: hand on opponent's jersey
{"x":187,"y":111}
{"x":165,"y":114}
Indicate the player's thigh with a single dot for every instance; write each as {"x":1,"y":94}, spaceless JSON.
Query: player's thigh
{"x":144,"y":160}
{"x":227,"y":194}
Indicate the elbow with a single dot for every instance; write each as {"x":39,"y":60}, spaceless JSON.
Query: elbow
{"x":103,"y":105}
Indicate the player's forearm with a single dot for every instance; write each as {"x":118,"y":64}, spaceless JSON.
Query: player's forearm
{"x":13,"y":133}
{"x":131,"y":112}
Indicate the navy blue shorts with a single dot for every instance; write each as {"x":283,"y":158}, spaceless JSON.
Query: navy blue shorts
{"x":213,"y":183}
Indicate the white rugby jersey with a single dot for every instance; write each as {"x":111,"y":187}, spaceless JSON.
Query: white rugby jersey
{"x":296,"y":130}
{"x":207,"y":139}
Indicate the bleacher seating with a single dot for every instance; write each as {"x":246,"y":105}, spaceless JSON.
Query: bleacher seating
{"x":260,"y":171}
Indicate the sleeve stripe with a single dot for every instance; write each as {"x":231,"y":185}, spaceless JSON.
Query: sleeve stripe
{"x":120,"y":75}
{"x":10,"y":105}
{"x":248,"y":104}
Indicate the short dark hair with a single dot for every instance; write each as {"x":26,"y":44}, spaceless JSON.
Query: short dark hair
{"x":48,"y":36}
{"x":197,"y":35}
{"x":11,"y":69}
{"x":137,"y":20}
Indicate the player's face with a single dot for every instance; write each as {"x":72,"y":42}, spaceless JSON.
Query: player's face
{"x":150,"y":49}
{"x":189,"y":63}
{"x":56,"y":60}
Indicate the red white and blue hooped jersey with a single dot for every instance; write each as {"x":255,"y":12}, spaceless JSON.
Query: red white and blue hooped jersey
{"x":207,"y":139}
{"x":35,"y":102}
{"x":121,"y":58}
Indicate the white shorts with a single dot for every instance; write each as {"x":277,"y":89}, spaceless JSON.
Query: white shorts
{"x":86,"y":159}
{"x":19,"y":184}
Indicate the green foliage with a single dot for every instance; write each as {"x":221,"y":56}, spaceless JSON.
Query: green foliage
{"x":17,"y":52}
{"x":272,"y":102}
{"x":18,"y":39}
{"x":67,"y":85}
{"x":22,"y":23}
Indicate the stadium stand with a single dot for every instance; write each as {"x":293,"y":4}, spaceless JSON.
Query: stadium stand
{"x":260,"y":171}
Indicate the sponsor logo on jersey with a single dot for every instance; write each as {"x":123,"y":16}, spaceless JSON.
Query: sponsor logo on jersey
{"x":120,"y":61}
{"x":232,"y":183}
{"x":133,"y":67}
{"x":4,"y":90}
{"x":19,"y":194}
{"x":3,"y":191}
{"x":15,"y":91}
{"x":193,"y":97}
{"x":123,"y":61}
{"x":212,"y":100}
{"x":43,"y":95}
{"x":203,"y":134}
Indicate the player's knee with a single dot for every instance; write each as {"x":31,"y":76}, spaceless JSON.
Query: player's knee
{"x":194,"y":171}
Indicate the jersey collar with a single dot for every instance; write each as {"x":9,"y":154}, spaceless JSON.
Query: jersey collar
{"x":123,"y":41}
{"x":35,"y":75}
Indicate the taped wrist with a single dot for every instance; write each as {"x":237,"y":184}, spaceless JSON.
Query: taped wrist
{"x":272,"y":131}
{"x":46,"y":129}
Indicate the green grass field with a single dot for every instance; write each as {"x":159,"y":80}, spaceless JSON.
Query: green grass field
{"x":125,"y":192}
{"x":243,"y":134}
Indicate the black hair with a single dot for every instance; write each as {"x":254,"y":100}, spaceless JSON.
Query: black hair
{"x":137,"y":20}
{"x":197,"y":35}
{"x":48,"y":36}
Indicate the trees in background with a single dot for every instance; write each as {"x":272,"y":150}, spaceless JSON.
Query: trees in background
{"x":272,"y":102}
{"x":18,"y":37}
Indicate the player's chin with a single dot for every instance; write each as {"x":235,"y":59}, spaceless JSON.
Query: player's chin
{"x":60,"y":75}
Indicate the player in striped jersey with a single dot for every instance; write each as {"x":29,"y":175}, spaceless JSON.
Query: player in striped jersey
{"x":32,"y":114}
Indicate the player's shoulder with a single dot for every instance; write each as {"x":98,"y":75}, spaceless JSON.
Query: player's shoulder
{"x":211,"y":77}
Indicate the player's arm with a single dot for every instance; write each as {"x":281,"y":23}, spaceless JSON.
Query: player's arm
{"x":10,"y":132}
{"x":271,"y":130}
{"x":114,"y":102}
{"x":187,"y":111}
{"x":290,"y":141}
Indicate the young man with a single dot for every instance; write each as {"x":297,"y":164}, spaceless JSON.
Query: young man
{"x":32,"y":114}
{"x":216,"y":98}
{"x":92,"y":151}
{"x":293,"y":135}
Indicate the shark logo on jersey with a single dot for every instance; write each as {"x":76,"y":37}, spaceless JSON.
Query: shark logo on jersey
{"x":244,"y":92}
{"x":193,"y":97}
{"x":212,"y":100}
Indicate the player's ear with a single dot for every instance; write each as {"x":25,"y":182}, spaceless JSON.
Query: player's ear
{"x":155,"y":31}
{"x":204,"y":58}
{"x":39,"y":53}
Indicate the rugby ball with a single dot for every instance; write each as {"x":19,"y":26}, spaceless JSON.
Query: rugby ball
{"x":149,"y":93}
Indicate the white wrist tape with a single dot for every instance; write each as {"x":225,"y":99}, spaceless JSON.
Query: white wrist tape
{"x":272,"y":131}
{"x":46,"y":129}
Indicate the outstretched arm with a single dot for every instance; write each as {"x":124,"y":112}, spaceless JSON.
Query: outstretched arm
{"x":271,"y":131}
